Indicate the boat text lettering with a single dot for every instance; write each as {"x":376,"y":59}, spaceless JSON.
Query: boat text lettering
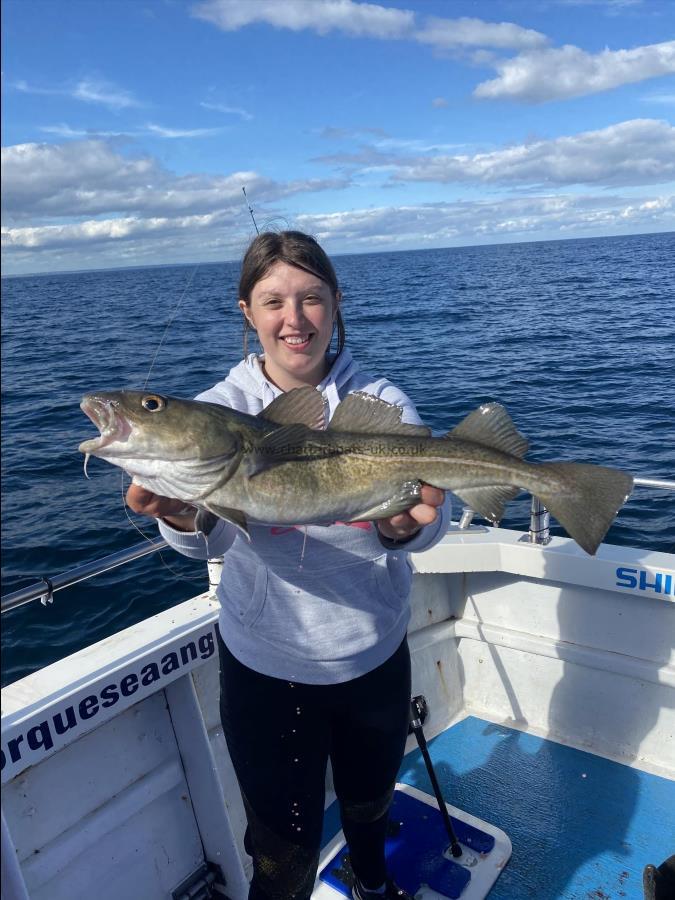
{"x":640,"y":579}
{"x":40,"y":737}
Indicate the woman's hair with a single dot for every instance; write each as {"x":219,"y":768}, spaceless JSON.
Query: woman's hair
{"x":296,"y":249}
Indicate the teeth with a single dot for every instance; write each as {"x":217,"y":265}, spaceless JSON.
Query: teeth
{"x":296,"y":340}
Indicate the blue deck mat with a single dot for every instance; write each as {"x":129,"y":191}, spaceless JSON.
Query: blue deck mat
{"x":414,"y":850}
{"x":582,"y":827}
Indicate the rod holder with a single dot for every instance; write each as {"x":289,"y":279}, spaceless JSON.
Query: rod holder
{"x":540,"y":520}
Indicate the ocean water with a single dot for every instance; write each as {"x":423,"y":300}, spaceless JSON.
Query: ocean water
{"x":575,"y":338}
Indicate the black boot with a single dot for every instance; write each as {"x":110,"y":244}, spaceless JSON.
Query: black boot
{"x":659,"y":884}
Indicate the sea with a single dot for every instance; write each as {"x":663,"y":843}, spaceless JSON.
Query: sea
{"x":575,"y":337}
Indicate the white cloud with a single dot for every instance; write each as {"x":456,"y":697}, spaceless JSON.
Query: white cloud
{"x":664,"y":99}
{"x":97,"y":230}
{"x":222,"y":235}
{"x":48,"y":178}
{"x":640,"y":151}
{"x":91,"y":178}
{"x":97,"y":91}
{"x":229,"y":110}
{"x":536,"y":74}
{"x":161,"y":131}
{"x":559,"y":73}
{"x":151,"y":129}
{"x":526,"y":218}
{"x":466,"y":32}
{"x":367,"y":20}
{"x":89,"y":90}
{"x":322,"y":16}
{"x":64,"y":130}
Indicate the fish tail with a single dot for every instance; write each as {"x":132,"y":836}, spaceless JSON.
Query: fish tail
{"x":584,"y":498}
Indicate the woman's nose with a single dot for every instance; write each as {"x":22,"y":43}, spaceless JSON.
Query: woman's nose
{"x":294,"y":314}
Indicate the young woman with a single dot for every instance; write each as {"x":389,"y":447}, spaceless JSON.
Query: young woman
{"x":314,"y":659}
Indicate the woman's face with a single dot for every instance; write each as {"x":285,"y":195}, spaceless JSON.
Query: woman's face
{"x":293,"y":312}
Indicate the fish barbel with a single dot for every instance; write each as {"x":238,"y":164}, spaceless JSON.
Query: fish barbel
{"x":283,"y":466}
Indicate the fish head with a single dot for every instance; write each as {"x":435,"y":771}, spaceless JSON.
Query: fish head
{"x":169,"y":445}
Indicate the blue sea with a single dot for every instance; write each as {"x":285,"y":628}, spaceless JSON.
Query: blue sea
{"x":575,"y":338}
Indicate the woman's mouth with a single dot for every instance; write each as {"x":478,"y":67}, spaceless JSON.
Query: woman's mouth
{"x":297,"y":342}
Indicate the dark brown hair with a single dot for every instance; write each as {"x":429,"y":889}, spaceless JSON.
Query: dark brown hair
{"x":296,"y":249}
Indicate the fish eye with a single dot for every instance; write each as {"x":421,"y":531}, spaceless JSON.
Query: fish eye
{"x":153,"y":403}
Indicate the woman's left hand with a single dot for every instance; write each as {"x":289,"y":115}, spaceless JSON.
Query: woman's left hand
{"x":406,"y":524}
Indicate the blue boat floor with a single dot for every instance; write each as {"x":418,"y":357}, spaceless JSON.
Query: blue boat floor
{"x":582,"y":827}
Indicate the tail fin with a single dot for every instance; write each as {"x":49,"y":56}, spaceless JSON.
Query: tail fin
{"x":586,"y":499}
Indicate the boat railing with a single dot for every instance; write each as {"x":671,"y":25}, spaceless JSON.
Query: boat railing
{"x":45,"y":588}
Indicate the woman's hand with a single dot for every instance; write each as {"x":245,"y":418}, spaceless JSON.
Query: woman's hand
{"x":174,"y":512}
{"x":406,"y":524}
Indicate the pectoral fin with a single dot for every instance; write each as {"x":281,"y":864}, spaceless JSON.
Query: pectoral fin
{"x":235,"y":516}
{"x":408,"y":495}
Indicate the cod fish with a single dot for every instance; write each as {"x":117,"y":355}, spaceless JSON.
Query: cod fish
{"x":285,"y":467}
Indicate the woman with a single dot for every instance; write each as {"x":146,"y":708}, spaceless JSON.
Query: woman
{"x":314,"y":658}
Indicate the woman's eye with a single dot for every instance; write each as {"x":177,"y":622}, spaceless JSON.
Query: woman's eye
{"x":153,"y":402}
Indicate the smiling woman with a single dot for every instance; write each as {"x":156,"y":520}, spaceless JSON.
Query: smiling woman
{"x":313,"y":618}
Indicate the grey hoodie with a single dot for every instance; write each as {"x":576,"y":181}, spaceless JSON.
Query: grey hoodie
{"x":315,"y":604}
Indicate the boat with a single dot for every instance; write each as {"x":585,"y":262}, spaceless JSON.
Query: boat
{"x":548,"y":679}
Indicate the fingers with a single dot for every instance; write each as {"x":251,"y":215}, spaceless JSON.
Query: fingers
{"x":423,"y":513}
{"x":432,"y":496}
{"x":146,"y":503}
{"x":406,"y":524}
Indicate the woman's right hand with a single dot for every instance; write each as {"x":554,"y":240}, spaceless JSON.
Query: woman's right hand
{"x":175,"y":512}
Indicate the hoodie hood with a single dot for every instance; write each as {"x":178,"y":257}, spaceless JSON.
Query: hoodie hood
{"x":248,"y":378}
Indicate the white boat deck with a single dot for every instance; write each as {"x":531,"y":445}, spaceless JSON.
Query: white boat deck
{"x":117,"y":781}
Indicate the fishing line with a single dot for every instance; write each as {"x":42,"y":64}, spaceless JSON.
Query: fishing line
{"x":150,"y":540}
{"x":169,"y":324}
{"x":182,"y":297}
{"x":145,"y":384}
{"x":302,"y":552}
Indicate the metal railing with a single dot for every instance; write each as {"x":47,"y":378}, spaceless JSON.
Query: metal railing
{"x":44,"y":589}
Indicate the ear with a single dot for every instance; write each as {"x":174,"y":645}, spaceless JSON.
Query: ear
{"x":336,"y":303}
{"x":244,"y":307}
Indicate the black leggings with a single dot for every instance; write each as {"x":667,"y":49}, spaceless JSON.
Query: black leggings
{"x":280,"y":735}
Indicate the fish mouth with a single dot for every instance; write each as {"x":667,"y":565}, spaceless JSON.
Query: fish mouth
{"x":105,"y":414}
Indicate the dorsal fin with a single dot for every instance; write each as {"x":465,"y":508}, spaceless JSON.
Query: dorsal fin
{"x":299,"y":406}
{"x":491,"y":426}
{"x":362,"y":413}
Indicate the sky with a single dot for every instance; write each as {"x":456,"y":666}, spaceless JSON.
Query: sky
{"x":130,"y":127}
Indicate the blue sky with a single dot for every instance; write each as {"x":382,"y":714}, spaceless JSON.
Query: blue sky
{"x":130,"y":126}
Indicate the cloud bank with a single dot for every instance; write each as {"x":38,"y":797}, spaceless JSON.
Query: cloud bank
{"x":640,"y":151}
{"x":89,"y":178}
{"x":536,"y":74}
{"x":91,"y":203}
